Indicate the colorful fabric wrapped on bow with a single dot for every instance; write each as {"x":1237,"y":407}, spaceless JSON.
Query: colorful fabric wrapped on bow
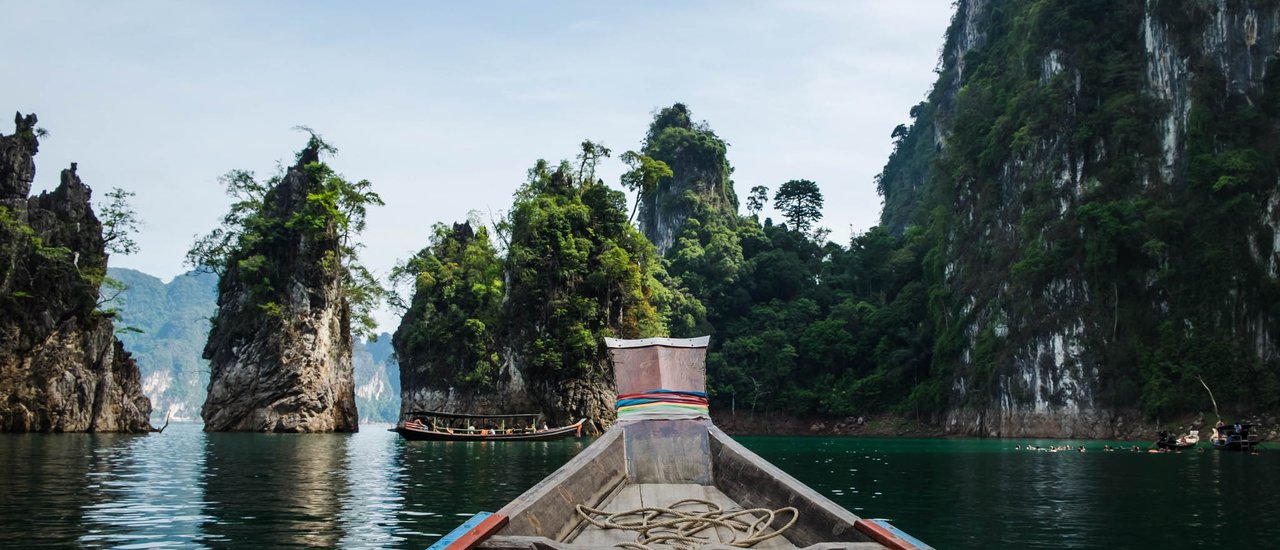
{"x":662,"y":404}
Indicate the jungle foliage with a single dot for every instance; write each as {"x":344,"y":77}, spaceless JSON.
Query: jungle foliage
{"x":798,"y":324}
{"x":575,"y":270}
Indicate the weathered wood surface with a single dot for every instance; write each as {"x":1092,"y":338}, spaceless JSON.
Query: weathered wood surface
{"x":753,"y":482}
{"x":659,"y":462}
{"x":547,"y":509}
{"x":659,"y":367}
{"x":668,"y":451}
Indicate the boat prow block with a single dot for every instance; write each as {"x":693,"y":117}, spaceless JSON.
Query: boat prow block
{"x":643,"y":461}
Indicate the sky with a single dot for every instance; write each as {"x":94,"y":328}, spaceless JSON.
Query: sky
{"x":445,"y":106}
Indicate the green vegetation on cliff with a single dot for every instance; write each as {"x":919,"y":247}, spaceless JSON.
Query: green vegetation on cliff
{"x":574,"y":272}
{"x":1044,"y":154}
{"x":252,"y":233}
{"x":452,"y":322}
{"x":799,"y":325}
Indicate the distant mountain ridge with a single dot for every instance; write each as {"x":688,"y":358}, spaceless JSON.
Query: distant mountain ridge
{"x":171,"y":322}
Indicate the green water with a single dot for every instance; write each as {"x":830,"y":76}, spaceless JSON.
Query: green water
{"x":185,"y":488}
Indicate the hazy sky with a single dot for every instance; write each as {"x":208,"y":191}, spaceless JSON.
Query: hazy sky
{"x":444,"y":106}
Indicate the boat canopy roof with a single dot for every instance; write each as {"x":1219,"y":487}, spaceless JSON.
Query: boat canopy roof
{"x":461,"y":415}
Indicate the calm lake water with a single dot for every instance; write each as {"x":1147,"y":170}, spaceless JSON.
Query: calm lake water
{"x":186,"y":488}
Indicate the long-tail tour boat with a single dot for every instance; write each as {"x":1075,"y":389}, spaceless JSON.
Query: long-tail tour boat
{"x":664,"y":476}
{"x":442,"y":426}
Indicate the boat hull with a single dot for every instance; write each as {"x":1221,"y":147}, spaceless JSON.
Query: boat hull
{"x":1233,"y":445}
{"x":670,"y":460}
{"x":426,"y":434}
{"x":1174,"y":446}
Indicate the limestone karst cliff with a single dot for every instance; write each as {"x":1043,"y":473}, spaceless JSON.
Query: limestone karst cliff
{"x":280,"y":345}
{"x":1098,"y":182}
{"x":61,"y":367}
{"x":700,"y":186}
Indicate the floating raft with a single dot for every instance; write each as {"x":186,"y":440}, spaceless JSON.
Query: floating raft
{"x":657,"y":456}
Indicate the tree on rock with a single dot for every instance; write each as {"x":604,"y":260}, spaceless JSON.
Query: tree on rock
{"x":290,"y":286}
{"x":800,"y":202}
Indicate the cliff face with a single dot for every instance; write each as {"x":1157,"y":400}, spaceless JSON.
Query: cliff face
{"x":1101,"y":188}
{"x":61,"y":367}
{"x":700,"y":186}
{"x":280,"y":346}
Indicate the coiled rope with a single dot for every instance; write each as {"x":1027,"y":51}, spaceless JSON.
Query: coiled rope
{"x":677,"y":526}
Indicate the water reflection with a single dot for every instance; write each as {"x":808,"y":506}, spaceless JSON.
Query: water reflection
{"x":278,"y":490}
{"x":445,"y":481}
{"x":146,"y":491}
{"x":374,"y":470}
{"x":185,"y":488}
{"x":44,"y":488}
{"x":985,"y":494}
{"x":97,"y":490}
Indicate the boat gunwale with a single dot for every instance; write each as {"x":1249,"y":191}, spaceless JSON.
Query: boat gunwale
{"x":788,"y":491}
{"x":555,"y":489}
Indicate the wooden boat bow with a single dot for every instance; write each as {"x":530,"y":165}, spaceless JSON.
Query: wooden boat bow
{"x":668,"y":452}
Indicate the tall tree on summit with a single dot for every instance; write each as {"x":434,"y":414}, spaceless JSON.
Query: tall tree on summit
{"x":800,"y":202}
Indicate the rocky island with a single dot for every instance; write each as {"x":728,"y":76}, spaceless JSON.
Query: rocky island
{"x":280,"y":346}
{"x":61,"y":367}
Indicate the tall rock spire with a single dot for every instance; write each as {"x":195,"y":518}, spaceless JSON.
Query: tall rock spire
{"x":280,"y":346}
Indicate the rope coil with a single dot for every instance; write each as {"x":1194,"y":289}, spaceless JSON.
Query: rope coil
{"x":679,"y":528}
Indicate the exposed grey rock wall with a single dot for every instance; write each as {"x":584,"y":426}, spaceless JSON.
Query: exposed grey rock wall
{"x":287,"y":370}
{"x":1052,"y":383}
{"x":61,"y":367}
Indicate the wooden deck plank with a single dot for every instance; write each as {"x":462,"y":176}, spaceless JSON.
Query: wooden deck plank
{"x":668,"y":451}
{"x":663,"y":495}
{"x":627,"y":499}
{"x":722,"y":500}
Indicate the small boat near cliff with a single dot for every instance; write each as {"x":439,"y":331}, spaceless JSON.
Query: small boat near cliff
{"x":1235,"y":437}
{"x":1174,"y":442}
{"x":664,"y":476}
{"x":443,"y":426}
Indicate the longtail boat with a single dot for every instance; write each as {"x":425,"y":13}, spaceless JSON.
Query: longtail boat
{"x":665,"y":456}
{"x":443,"y":426}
